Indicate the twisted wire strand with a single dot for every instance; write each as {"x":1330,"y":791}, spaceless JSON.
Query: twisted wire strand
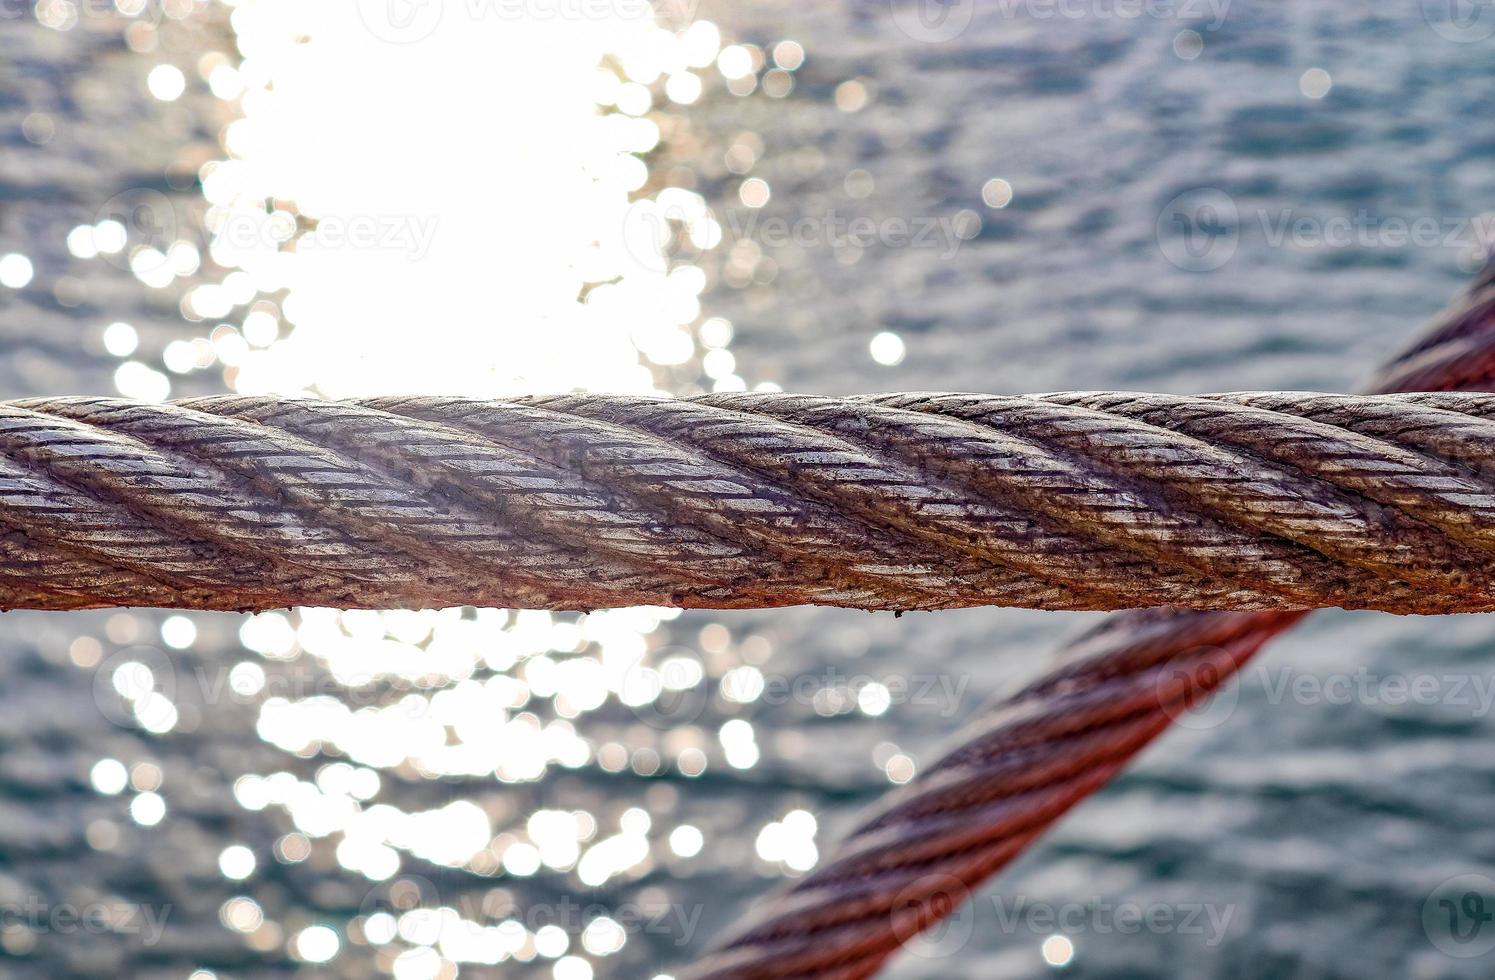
{"x":1090,"y":500}
{"x":1021,"y":764}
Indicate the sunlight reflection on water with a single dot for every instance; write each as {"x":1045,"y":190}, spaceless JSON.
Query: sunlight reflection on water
{"x":466,"y":210}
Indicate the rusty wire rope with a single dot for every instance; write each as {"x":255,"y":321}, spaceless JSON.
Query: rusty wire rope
{"x":1096,"y":500}
{"x":923,"y":849}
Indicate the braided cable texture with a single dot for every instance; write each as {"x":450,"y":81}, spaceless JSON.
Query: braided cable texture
{"x":1273,"y":501}
{"x":923,"y":849}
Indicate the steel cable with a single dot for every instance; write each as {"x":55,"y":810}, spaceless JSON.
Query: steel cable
{"x":900,"y":502}
{"x":921,"y":851}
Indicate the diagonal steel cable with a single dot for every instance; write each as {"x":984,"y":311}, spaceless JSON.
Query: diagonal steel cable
{"x":921,"y":851}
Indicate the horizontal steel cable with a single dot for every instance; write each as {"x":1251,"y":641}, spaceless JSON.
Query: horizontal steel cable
{"x":902,"y":502}
{"x":922,"y":850}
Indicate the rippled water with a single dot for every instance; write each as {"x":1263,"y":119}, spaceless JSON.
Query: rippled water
{"x":1039,"y":201}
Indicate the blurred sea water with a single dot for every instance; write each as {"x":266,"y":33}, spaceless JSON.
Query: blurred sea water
{"x":999,"y":197}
